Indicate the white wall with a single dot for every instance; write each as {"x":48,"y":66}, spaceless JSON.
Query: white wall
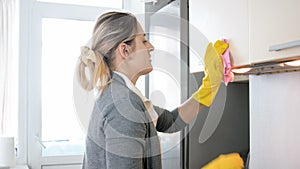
{"x":274,"y":121}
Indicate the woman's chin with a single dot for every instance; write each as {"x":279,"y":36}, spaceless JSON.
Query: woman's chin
{"x":146,"y":70}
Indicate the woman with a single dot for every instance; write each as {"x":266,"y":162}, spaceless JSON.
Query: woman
{"x":123,"y":126}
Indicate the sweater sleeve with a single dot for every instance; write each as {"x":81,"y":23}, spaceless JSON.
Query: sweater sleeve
{"x":125,"y":132}
{"x":169,"y":122}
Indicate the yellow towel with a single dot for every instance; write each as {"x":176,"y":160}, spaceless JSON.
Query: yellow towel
{"x":228,"y":161}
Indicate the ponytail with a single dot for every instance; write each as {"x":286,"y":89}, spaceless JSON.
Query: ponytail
{"x":99,"y":72}
{"x":102,"y":76}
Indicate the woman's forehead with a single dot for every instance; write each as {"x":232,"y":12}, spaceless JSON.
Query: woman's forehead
{"x":140,"y":29}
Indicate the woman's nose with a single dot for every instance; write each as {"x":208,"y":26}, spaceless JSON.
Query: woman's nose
{"x":150,"y":47}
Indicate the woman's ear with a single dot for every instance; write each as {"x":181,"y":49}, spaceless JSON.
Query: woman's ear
{"x":123,"y":50}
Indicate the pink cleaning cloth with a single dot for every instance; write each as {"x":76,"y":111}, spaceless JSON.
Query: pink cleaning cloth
{"x":228,"y":75}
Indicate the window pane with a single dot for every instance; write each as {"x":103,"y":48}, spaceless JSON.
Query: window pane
{"x":61,"y":39}
{"x":99,"y":3}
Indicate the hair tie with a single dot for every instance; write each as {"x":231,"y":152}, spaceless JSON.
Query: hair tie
{"x":87,"y":55}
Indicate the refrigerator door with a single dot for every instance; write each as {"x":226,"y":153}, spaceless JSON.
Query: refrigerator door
{"x":166,"y":85}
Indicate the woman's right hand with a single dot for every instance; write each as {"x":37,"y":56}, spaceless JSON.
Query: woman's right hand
{"x":214,"y":71}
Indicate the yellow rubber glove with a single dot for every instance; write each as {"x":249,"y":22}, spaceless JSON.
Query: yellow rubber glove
{"x":213,"y":70}
{"x":228,"y":161}
{"x":220,"y":46}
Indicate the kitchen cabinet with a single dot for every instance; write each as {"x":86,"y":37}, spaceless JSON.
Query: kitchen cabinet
{"x":274,"y":122}
{"x":217,"y":19}
{"x":273,"y":22}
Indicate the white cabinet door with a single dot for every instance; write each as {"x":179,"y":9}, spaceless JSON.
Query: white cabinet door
{"x":273,"y":22}
{"x":218,"y":19}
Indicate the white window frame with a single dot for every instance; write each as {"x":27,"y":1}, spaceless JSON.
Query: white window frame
{"x":31,"y":15}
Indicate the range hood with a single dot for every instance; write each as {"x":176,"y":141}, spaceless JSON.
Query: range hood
{"x":269,"y":67}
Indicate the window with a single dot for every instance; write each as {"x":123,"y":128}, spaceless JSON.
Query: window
{"x":55,"y":33}
{"x":99,"y":3}
{"x":61,"y":39}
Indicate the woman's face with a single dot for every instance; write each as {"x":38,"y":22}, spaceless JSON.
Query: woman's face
{"x":140,"y":58}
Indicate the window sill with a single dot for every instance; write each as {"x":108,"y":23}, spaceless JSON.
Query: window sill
{"x":20,"y":167}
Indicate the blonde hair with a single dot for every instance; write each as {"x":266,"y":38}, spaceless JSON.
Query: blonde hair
{"x":110,"y":30}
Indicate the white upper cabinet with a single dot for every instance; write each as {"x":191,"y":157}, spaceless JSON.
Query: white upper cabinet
{"x":273,"y":22}
{"x":217,"y":19}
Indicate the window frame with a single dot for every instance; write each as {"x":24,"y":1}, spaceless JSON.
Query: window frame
{"x":45,"y":10}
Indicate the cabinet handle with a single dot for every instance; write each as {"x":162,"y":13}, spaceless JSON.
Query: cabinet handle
{"x":284,"y":46}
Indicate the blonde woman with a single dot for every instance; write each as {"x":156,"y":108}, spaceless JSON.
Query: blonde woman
{"x":123,"y":127}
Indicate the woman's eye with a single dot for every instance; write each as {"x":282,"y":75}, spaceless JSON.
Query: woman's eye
{"x":145,"y":41}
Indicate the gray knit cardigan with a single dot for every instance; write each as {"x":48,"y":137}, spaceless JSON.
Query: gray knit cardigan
{"x":121,"y":134}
